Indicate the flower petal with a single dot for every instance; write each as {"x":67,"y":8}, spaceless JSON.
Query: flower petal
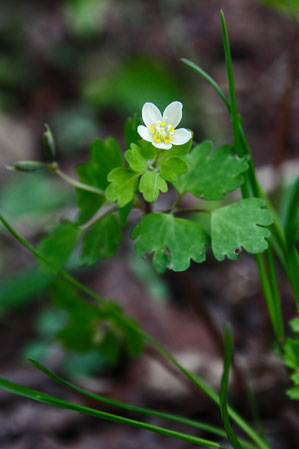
{"x":181,"y":136}
{"x":150,"y":114}
{"x":173,"y":113}
{"x":145,"y":133}
{"x":162,"y":145}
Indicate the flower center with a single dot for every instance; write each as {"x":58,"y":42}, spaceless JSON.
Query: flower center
{"x":162,"y":132}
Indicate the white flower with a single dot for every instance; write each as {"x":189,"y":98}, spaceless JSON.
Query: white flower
{"x":160,"y":130}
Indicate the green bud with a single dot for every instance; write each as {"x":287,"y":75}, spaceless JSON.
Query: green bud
{"x":29,"y":166}
{"x":49,"y":144}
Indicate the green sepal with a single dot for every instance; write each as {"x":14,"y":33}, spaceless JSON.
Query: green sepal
{"x":151,"y":183}
{"x":102,"y":240}
{"x":240,"y":225}
{"x":212,"y":175}
{"x":135,"y":160}
{"x":123,"y":185}
{"x":171,"y":167}
{"x":174,"y":241}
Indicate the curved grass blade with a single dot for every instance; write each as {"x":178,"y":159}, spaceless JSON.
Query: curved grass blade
{"x":60,"y":403}
{"x":132,"y":408}
{"x":200,"y":383}
{"x":228,"y":356}
{"x":210,"y":80}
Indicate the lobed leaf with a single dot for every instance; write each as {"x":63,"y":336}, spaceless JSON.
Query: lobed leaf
{"x":135,"y":160}
{"x":101,"y":240}
{"x":151,"y":183}
{"x":212,"y":175}
{"x":171,"y":167}
{"x":123,"y":185}
{"x":130,"y":130}
{"x":240,"y":225}
{"x":104,"y":156}
{"x":174,"y":241}
{"x":58,"y":245}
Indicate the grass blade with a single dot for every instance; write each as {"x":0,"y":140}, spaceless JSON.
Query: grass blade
{"x":228,"y":356}
{"x":60,"y":403}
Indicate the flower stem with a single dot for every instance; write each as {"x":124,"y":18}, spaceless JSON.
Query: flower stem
{"x":79,"y":185}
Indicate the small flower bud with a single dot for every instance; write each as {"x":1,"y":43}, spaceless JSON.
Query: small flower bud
{"x":28,"y":166}
{"x":49,"y":144}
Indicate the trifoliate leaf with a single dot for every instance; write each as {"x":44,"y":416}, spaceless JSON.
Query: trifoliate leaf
{"x":104,"y":156}
{"x":135,"y":160}
{"x":130,"y":130}
{"x":212,"y":175}
{"x":102,"y":240}
{"x":174,"y":241}
{"x":240,"y":225}
{"x":151,"y":183}
{"x":171,"y":167}
{"x":123,"y":185}
{"x":59,"y":244}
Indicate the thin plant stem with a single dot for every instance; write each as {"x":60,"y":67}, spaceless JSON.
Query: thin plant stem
{"x":201,"y":384}
{"x":101,"y":213}
{"x":75,"y":183}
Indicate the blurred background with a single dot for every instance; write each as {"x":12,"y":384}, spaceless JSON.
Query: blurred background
{"x":84,"y":67}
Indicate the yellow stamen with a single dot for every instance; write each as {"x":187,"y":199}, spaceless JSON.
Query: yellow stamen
{"x":152,"y":128}
{"x":172,"y":129}
{"x":163,"y":123}
{"x":157,"y":138}
{"x":168,"y":140}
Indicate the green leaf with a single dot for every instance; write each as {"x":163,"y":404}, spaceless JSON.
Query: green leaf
{"x":135,"y":160}
{"x":91,"y":327}
{"x":58,"y":245}
{"x":294,"y":323}
{"x":104,"y":156}
{"x":174,"y":241}
{"x":212,"y":175}
{"x":240,"y":225}
{"x":130,"y":130}
{"x":123,"y":185}
{"x":178,"y":150}
{"x":151,"y":183}
{"x":101,"y":240}
{"x":291,"y":349}
{"x":293,"y":392}
{"x":147,"y":150}
{"x":88,"y":203}
{"x":171,"y":167}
